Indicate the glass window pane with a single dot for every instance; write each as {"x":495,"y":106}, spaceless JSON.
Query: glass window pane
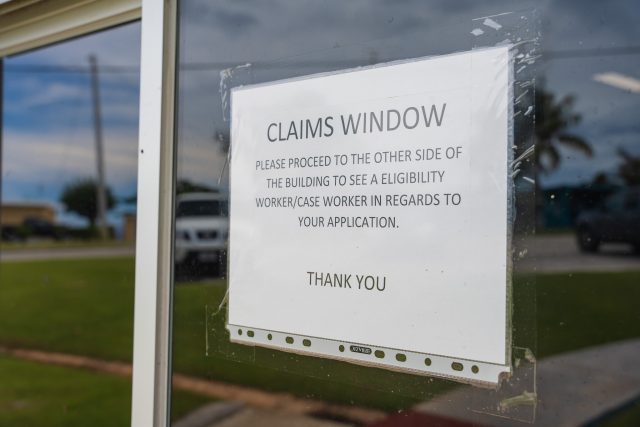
{"x":66,"y":270}
{"x":575,"y":320}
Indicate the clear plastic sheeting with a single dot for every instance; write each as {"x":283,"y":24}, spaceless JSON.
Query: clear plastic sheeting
{"x":520,"y":30}
{"x":413,"y":164}
{"x":248,"y":74}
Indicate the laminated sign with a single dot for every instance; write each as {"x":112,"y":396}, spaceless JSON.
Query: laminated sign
{"x":369,"y":215}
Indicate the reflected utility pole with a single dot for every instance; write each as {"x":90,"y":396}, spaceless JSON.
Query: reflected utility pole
{"x":97,"y":127}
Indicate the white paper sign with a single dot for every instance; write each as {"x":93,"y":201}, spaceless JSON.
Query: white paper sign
{"x":369,"y":215}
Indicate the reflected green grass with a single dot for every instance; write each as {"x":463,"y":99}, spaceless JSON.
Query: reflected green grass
{"x":82,"y":307}
{"x":278,"y":371}
{"x":86,"y":307}
{"x":63,"y":244}
{"x":565,"y":312}
{"x":73,"y":306}
{"x":578,"y":310}
{"x":35,"y":394}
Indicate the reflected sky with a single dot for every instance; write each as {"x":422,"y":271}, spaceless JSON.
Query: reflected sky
{"x":48,"y":138}
{"x":579,"y":40}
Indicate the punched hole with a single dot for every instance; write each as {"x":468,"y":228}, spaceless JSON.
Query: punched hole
{"x":269,"y":337}
{"x":239,"y":331}
{"x":401,"y":357}
{"x":289,"y":340}
{"x":250,"y":334}
{"x":475,"y":369}
{"x":379,"y":354}
{"x":427,"y":361}
{"x":306,"y":343}
{"x":341,"y":348}
{"x":457,"y":366}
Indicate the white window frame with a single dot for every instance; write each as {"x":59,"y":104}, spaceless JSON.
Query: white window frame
{"x":29,"y":24}
{"x":154,"y":261}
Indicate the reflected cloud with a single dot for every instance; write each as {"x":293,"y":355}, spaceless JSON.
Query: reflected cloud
{"x":609,"y":119}
{"x":35,"y":165}
{"x":48,"y":135}
{"x":50,"y":94}
{"x":618,"y":80}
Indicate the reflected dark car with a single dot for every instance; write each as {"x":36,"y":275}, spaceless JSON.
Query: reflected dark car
{"x":10,"y":233}
{"x":37,"y":227}
{"x":31,"y":227}
{"x":617,"y":220}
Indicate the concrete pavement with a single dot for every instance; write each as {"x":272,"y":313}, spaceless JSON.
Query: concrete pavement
{"x":573,"y":389}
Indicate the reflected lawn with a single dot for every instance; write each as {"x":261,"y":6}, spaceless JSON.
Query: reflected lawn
{"x":86,"y":307}
{"x":38,"y":394}
{"x":63,"y":244}
{"x":73,"y":306}
{"x":578,"y":310}
{"x":35,"y":394}
{"x":571,"y":311}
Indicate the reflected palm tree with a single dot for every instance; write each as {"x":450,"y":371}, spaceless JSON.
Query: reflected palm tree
{"x":553,"y":120}
{"x":629,"y":169}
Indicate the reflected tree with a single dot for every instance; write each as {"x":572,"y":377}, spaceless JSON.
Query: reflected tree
{"x":554,"y":118}
{"x":187,"y":186}
{"x":80,"y":197}
{"x":600,"y":179}
{"x":222,"y":140}
{"x":629,"y":169}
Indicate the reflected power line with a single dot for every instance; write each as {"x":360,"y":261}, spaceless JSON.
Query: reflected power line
{"x":549,"y":55}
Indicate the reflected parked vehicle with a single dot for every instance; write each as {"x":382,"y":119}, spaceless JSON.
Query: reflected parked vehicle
{"x":202,"y":228}
{"x":617,"y":220}
{"x":32,"y":228}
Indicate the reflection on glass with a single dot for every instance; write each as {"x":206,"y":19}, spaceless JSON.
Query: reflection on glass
{"x":581,"y":327}
{"x":615,"y":220}
{"x":202,"y":230}
{"x":66,"y":260}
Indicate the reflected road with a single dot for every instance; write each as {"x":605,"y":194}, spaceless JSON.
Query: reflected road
{"x":66,"y":253}
{"x":545,"y":254}
{"x":560,"y":254}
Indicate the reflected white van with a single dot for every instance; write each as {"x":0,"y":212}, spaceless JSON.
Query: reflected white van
{"x":202,"y":227}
